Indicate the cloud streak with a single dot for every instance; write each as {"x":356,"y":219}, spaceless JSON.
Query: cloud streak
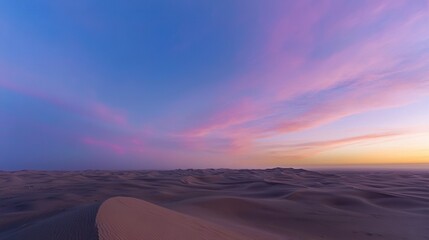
{"x":89,"y":109}
{"x":308,"y":149}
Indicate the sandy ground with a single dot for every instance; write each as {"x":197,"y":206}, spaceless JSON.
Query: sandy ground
{"x":214,"y":204}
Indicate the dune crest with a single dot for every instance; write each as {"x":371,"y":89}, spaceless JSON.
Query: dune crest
{"x":124,"y":218}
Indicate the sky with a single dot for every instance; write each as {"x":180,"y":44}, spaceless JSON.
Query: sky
{"x":213,"y":84}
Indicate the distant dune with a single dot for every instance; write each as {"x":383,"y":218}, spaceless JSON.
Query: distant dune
{"x":214,"y":204}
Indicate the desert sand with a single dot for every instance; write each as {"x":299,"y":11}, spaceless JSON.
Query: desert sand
{"x":214,"y":204}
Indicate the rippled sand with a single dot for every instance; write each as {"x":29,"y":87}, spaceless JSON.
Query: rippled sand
{"x":235,"y":204}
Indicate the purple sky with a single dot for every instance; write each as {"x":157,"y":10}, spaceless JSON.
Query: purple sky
{"x":196,"y":84}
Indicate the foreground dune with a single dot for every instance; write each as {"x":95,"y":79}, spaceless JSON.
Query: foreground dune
{"x":266,"y":204}
{"x":124,"y":218}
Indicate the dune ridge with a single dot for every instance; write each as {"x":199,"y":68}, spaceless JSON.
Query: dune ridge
{"x":124,"y":218}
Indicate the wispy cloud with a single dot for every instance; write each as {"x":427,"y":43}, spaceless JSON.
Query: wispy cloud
{"x":308,"y":149}
{"x":82,"y":107}
{"x":103,"y":144}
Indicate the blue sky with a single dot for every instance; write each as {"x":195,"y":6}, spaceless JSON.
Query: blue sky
{"x":168,"y":84}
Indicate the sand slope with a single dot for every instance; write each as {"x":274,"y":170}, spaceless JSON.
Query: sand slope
{"x":124,"y":218}
{"x":72,"y":225}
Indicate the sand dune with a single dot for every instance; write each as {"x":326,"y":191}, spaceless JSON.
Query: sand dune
{"x":238,"y":204}
{"x":123,"y":218}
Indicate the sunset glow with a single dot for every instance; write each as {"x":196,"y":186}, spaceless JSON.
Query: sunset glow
{"x":196,"y":84}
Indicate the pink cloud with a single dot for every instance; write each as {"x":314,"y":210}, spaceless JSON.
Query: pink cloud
{"x":344,"y":141}
{"x":307,"y":149}
{"x":88,"y":108}
{"x":235,"y":114}
{"x":107,"y":114}
{"x":115,"y":148}
{"x":389,"y":94}
{"x":301,"y":20}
